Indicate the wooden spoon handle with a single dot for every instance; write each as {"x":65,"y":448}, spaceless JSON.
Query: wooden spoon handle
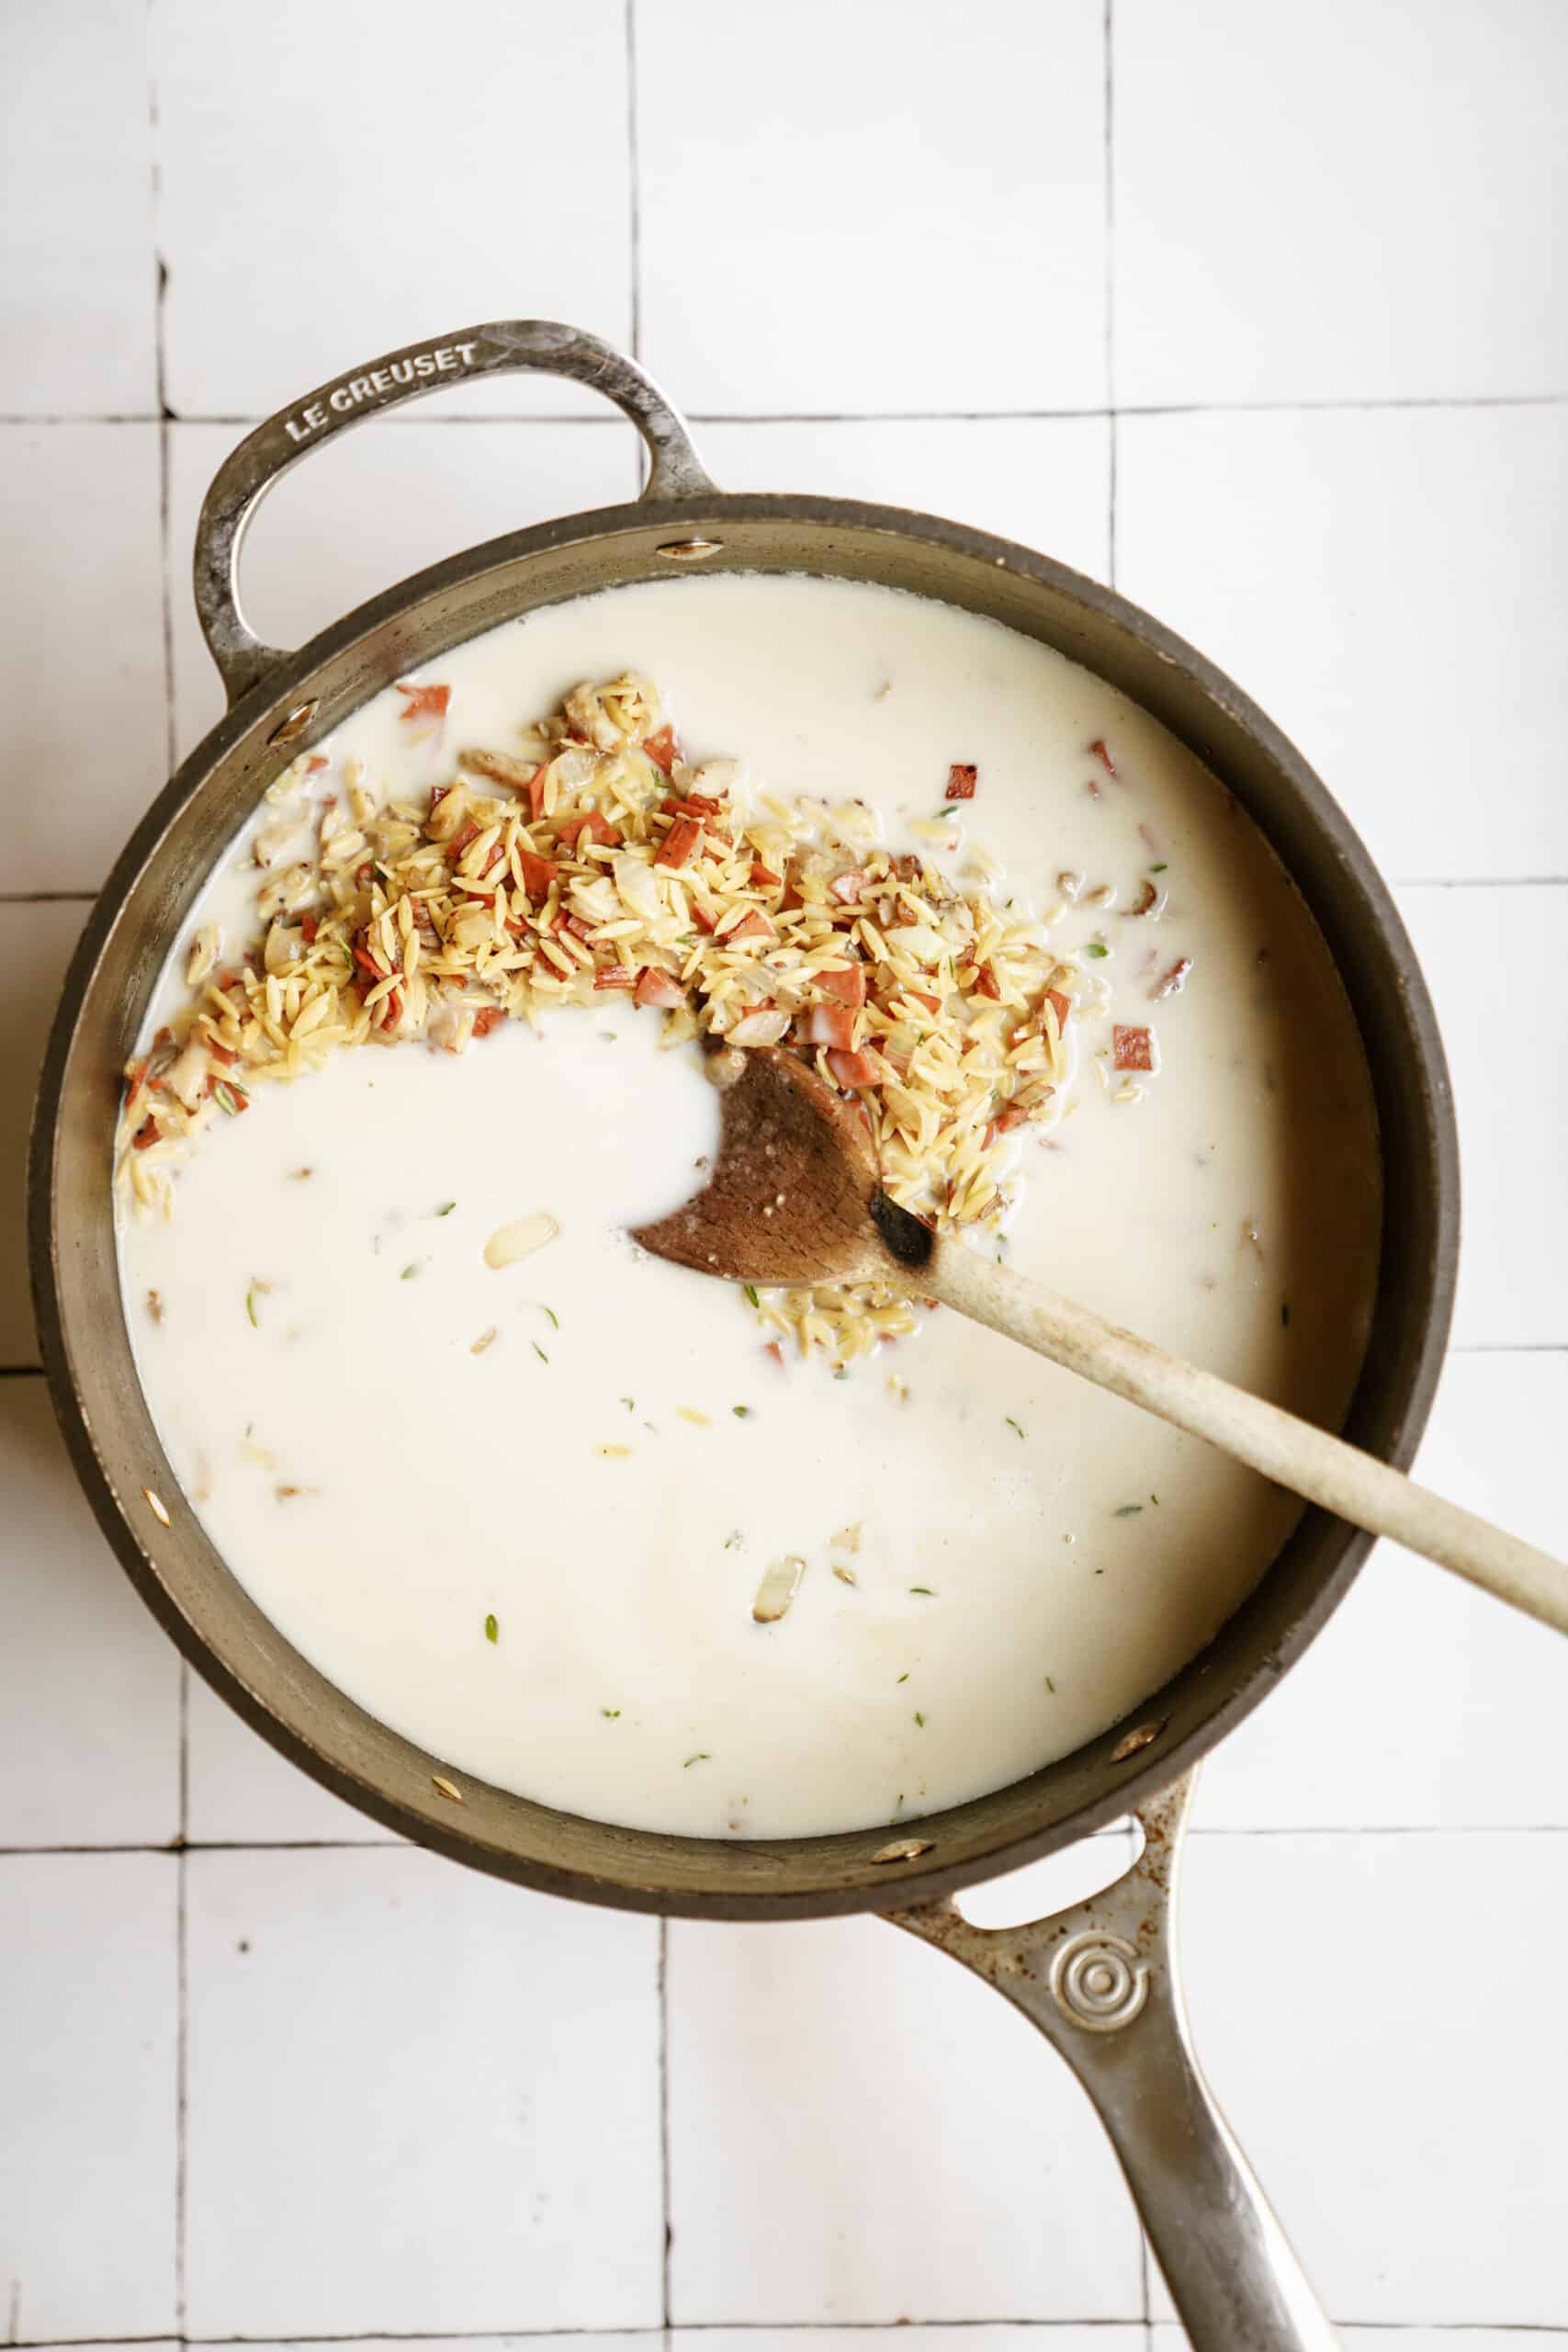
{"x":1292,"y":1452}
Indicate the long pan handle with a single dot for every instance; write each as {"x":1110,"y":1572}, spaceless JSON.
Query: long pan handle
{"x":1100,"y":1981}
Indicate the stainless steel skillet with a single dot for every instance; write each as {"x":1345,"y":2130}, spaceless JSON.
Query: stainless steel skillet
{"x":1099,"y":1981}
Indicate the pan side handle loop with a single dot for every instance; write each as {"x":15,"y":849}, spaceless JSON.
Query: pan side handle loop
{"x":506,"y":346}
{"x":1100,"y":1981}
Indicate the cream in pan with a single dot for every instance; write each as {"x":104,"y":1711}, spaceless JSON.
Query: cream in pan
{"x":537,"y":1552}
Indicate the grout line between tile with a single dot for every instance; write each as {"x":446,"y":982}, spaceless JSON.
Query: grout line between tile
{"x":667,"y":2233}
{"x":47,"y":897}
{"x":1108,"y":38}
{"x":1455,"y":402}
{"x":634,"y":182}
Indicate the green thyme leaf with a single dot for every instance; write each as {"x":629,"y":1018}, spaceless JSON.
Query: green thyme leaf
{"x":447,"y":1208}
{"x":555,"y":1318}
{"x":924,"y":1588}
{"x":920,"y":1720}
{"x":610,"y":1714}
{"x":492,"y":1631}
{"x":903,"y":1678}
{"x":408,"y":1273}
{"x":732,"y":1540}
{"x":227,"y":1099}
{"x":741,"y":1412}
{"x":1159,"y":868}
{"x":702,"y":1757}
{"x":1012,"y":1424}
{"x":1050,"y":1686}
{"x":751,"y":1289}
{"x":1097,"y":947}
{"x":1128,"y":1510}
{"x":539,"y":1351}
{"x":251,"y":1309}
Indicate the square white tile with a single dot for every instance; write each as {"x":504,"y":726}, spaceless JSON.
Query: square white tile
{"x":89,"y":1684}
{"x":87,"y":2124}
{"x":1045,"y":480}
{"x":1335,"y":203}
{"x":79,"y":275}
{"x":35,"y":948}
{"x":861,"y":2132}
{"x":1425,"y":1704}
{"x":1390,"y":586}
{"x":1506,"y":1065}
{"x":364,"y":512}
{"x":418,"y":2101}
{"x":1379,"y":2019}
{"x":372,"y":178}
{"x":242,"y":1792}
{"x":81,"y":654}
{"x":861,"y":214}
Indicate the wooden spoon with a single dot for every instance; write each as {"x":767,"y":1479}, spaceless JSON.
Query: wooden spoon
{"x":795,"y":1196}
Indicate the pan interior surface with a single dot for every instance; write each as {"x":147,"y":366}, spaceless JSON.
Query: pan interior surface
{"x":88,"y":1350}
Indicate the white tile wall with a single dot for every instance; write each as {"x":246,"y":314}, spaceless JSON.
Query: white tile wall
{"x":370,"y":178}
{"x":78,"y":287}
{"x":89,"y":2122}
{"x":419,"y":2102}
{"x":89,"y":1716}
{"x":82,"y":732}
{"x":1353,"y":570}
{"x":1346,"y":202}
{"x":858,"y":213}
{"x":871,"y":248}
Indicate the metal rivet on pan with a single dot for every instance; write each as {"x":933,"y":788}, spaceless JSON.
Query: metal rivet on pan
{"x":691,"y":550}
{"x":902,"y":1849}
{"x":1134,"y":1740}
{"x":298,"y":719}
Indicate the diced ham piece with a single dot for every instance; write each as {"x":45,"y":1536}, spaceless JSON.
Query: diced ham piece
{"x":1010,"y":1116}
{"x":847,"y":888}
{"x":763,"y":877}
{"x":597,"y":827}
{"x":690,"y":804}
{"x":1060,"y":1005}
{"x":654,"y":987}
{"x":308,"y":927}
{"x":1103,"y":756}
{"x":853,"y":1070}
{"x":536,"y":792}
{"x":424,"y":702}
{"x":828,"y":1024}
{"x":616,"y":976}
{"x":961,"y":782}
{"x":931,"y":1004}
{"x":679,"y":843}
{"x":539,"y":872}
{"x":137,"y":1079}
{"x":1133,"y":1048}
{"x":147,"y":1133}
{"x":702,"y":918}
{"x":752,"y":926}
{"x":489,"y":1017}
{"x":848,"y":986}
{"x":662,"y":751}
{"x":985,"y":983}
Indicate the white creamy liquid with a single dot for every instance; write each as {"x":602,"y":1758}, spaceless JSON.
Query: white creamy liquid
{"x":1034,"y":1557}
